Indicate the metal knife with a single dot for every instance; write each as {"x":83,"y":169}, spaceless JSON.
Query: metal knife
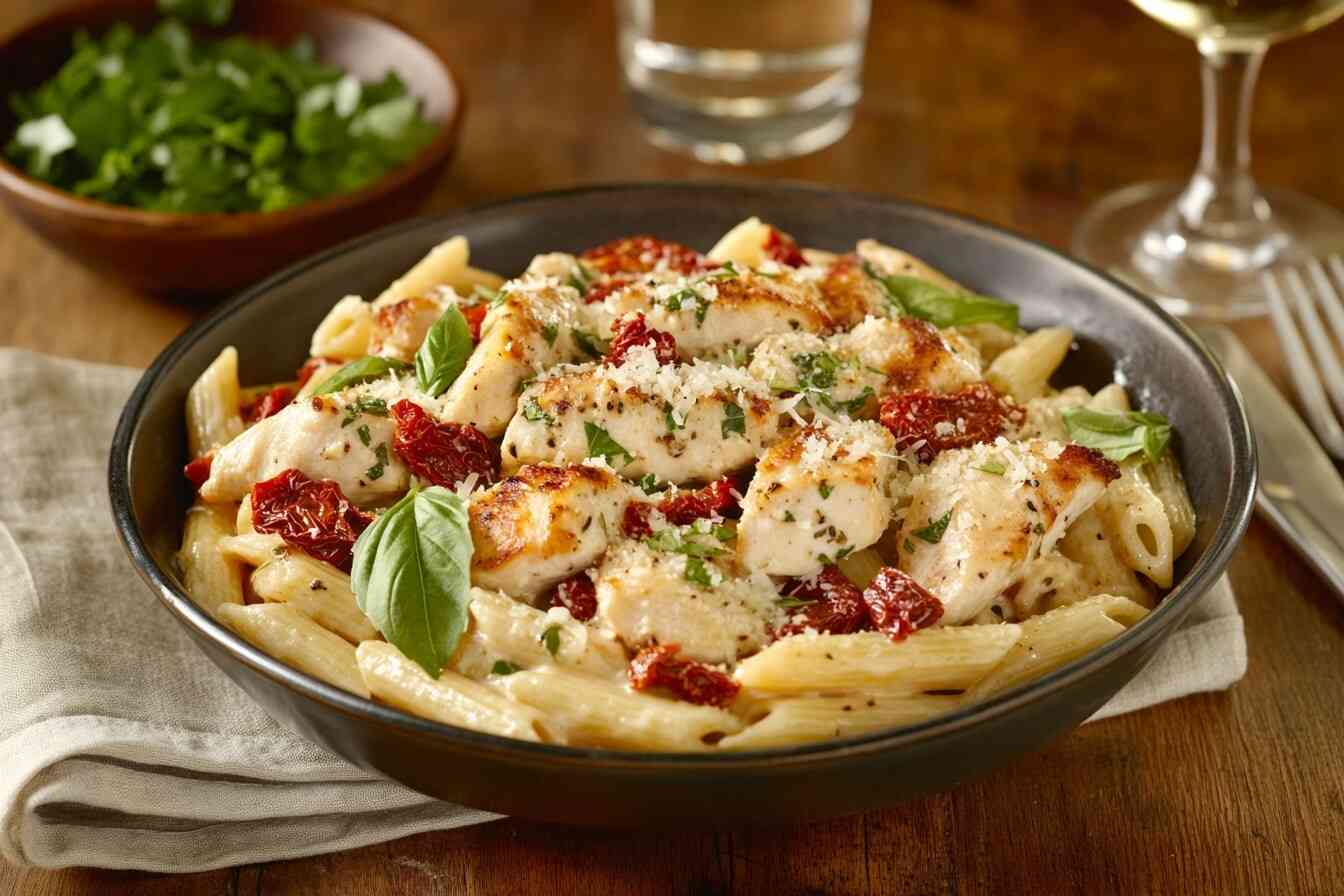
{"x":1301,"y":493}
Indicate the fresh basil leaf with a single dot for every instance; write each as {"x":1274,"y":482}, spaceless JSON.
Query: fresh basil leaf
{"x":443,"y":355}
{"x":368,"y":368}
{"x":913,"y":297}
{"x":1119,"y":434}
{"x":649,"y":484}
{"x":412,"y":575}
{"x":601,"y":444}
{"x":933,"y":532}
{"x":734,"y":421}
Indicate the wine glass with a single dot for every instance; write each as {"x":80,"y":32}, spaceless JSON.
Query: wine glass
{"x":1201,"y":248}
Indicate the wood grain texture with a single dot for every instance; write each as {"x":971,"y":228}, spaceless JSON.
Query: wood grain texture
{"x":1017,"y":112}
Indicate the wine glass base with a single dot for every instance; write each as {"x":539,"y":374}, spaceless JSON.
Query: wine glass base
{"x":1120,"y":235}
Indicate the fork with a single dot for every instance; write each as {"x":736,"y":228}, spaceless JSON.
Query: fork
{"x":1312,"y":385}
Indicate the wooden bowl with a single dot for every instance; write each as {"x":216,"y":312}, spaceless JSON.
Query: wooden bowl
{"x":209,"y":254}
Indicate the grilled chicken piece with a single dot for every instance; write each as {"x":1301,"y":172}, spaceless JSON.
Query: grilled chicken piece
{"x":847,"y":373}
{"x":721,"y":311}
{"x":644,"y":596}
{"x":320,"y":437}
{"x":542,"y":525}
{"x":530,"y":329}
{"x":969,"y":533}
{"x":818,"y":495}
{"x":400,"y":327}
{"x":682,"y":423}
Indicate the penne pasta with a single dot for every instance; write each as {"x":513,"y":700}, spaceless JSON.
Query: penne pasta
{"x":344,"y":333}
{"x":213,"y":418}
{"x":210,"y":575}
{"x":1136,"y":525}
{"x":793,"y":719}
{"x":585,"y":711}
{"x":952,"y":659}
{"x":317,"y":590}
{"x":744,"y":245}
{"x":393,"y":679}
{"x":294,"y":638}
{"x":1023,"y":372}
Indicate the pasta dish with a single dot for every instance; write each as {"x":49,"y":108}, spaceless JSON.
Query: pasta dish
{"x":651,"y":498}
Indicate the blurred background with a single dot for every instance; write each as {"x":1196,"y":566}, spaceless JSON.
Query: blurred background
{"x":1021,"y":112}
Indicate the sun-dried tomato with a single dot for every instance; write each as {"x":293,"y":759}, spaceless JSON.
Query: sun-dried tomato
{"x":310,"y":367}
{"x":442,"y":453}
{"x":474,"y":314}
{"x":781,"y":247}
{"x":273,"y":402}
{"x":659,"y":666}
{"x":199,"y":470}
{"x":310,"y":514}
{"x":835,"y":605}
{"x":635,"y":520}
{"x":937,"y":423}
{"x":641,"y":254}
{"x":578,"y":595}
{"x":608,"y":285}
{"x":719,"y":498}
{"x":634,"y":331}
{"x":898,"y":605}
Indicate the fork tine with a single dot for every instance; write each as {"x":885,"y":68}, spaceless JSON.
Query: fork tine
{"x":1304,"y":375}
{"x":1327,"y":356}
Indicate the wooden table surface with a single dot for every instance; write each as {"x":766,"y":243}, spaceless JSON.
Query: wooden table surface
{"x":1018,"y":112}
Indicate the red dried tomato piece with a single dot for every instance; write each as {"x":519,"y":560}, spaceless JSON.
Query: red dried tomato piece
{"x":659,"y":666}
{"x":635,"y":331}
{"x":310,"y":367}
{"x":442,"y":453}
{"x":941,"y":422}
{"x":199,"y":470}
{"x":836,"y":607}
{"x":578,"y":595}
{"x":898,"y":605}
{"x":603,"y":288}
{"x":310,"y":514}
{"x":474,"y":315}
{"x":635,"y":521}
{"x":641,"y":254}
{"x":719,"y":498}
{"x":273,"y":402}
{"x":783,"y":248}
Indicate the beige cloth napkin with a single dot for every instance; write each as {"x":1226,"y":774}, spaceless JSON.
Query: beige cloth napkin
{"x":121,"y":745}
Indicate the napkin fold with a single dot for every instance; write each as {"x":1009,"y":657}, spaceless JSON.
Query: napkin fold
{"x":122,"y":746}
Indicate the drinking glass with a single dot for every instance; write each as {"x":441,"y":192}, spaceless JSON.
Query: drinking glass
{"x":1201,"y":248}
{"x":744,"y":81}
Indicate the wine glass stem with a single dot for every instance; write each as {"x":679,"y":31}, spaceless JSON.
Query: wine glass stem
{"x":1222,"y":199}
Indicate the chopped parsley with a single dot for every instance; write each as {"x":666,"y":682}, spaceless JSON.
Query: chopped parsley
{"x":380,"y":454}
{"x":697,"y":572}
{"x":789,"y":517}
{"x":550,"y":639}
{"x":825,"y":489}
{"x":649,"y":483}
{"x":580,"y":278}
{"x":601,"y":444}
{"x":792,"y":603}
{"x":533,"y":412}
{"x":364,"y":435}
{"x":909,"y":546}
{"x":670,"y":417}
{"x":364,"y":404}
{"x":933,"y":532}
{"x":504,"y":667}
{"x":734,"y":421}
{"x":992,"y":467}
{"x":549,"y":332}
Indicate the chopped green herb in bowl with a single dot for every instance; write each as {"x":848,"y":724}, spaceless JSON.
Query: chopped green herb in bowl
{"x":158,"y":120}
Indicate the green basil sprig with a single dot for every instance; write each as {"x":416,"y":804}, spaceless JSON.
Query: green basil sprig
{"x":412,"y":575}
{"x":361,"y":371}
{"x":1119,"y":434}
{"x":443,"y":355}
{"x":913,"y":297}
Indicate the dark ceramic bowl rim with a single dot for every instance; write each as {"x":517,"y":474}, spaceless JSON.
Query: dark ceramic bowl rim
{"x":1196,"y":582}
{"x":244,"y":224}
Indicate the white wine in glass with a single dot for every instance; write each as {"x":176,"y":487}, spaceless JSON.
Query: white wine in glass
{"x":1202,"y":247}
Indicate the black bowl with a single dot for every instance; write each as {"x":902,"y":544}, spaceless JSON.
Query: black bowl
{"x":1117,"y":329}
